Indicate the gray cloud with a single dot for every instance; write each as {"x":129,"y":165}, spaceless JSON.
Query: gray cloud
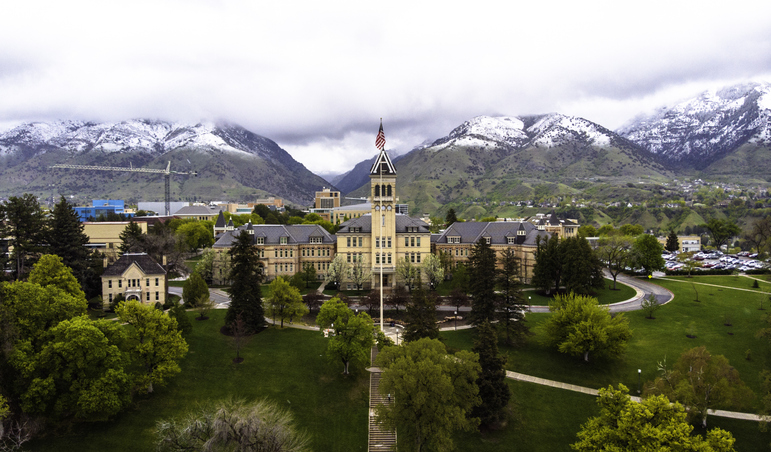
{"x":316,"y":77}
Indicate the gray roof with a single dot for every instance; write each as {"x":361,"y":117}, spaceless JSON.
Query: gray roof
{"x":498,"y":232}
{"x":296,"y":234}
{"x":145,"y":263}
{"x":195,"y":210}
{"x":362,"y":206}
{"x":365,"y":223}
{"x":220,"y":221}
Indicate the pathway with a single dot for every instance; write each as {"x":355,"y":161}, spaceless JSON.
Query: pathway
{"x":380,"y":438}
{"x":557,"y":384}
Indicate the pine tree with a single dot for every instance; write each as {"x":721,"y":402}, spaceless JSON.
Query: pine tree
{"x":450,"y":218}
{"x":131,"y":238}
{"x":672,"y":242}
{"x":245,"y":276}
{"x":581,"y":268}
{"x":68,"y":241}
{"x":493,"y":390}
{"x":421,"y":315}
{"x":548,"y":264}
{"x":512,"y":308}
{"x":25,"y":223}
{"x":481,"y":269}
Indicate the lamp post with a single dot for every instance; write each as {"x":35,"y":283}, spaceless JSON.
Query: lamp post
{"x":639,"y":381}
{"x":456,"y":320}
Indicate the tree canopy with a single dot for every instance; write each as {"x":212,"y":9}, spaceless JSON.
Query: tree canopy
{"x":494,"y":392}
{"x":421,"y":315}
{"x":285,"y":301}
{"x":433,"y":392}
{"x":245,"y":277}
{"x":352,"y":339}
{"x":481,"y":271}
{"x":25,"y":226}
{"x":579,"y":326}
{"x":721,"y":231}
{"x":649,"y":426}
{"x":646,"y":252}
{"x":701,"y":381}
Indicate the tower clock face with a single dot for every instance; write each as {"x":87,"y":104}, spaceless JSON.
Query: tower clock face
{"x":377,"y":207}
{"x":389,"y":208}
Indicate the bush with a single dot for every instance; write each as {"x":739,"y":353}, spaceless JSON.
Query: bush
{"x":759,"y":271}
{"x":158,"y":306}
{"x":700,"y":272}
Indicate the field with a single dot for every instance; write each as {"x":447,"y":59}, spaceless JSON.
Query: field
{"x":289,"y":367}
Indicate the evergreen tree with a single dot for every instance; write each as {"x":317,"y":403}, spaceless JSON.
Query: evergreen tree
{"x":195,"y":289}
{"x":581,"y":268}
{"x":178,"y":312}
{"x":245,"y":276}
{"x":512,"y":312}
{"x":25,"y":225}
{"x":548,"y":264}
{"x":493,"y":389}
{"x":131,"y":238}
{"x":450,"y":218}
{"x":421,"y":315}
{"x":672,"y":243}
{"x":68,"y":241}
{"x":481,"y":270}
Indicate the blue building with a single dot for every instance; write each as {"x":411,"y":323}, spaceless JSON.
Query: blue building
{"x":102,"y":207}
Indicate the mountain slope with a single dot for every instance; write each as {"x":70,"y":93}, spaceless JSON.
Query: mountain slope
{"x":232,"y":162}
{"x":699,"y":132}
{"x":509,"y":157}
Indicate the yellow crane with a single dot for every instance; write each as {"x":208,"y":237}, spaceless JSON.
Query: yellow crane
{"x":166,"y":172}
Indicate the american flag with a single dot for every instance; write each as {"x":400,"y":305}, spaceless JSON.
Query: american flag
{"x":380,"y":140}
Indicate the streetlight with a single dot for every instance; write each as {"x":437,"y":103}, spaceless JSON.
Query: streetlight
{"x":456,"y":320}
{"x":639,"y":380}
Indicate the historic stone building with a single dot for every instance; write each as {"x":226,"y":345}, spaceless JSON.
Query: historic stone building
{"x":283,"y":249}
{"x":459,"y":238}
{"x":136,"y":276}
{"x":381,"y":238}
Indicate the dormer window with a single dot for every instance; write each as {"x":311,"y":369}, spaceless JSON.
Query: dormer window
{"x":259,"y":240}
{"x":453,"y":239}
{"x":315,"y":239}
{"x":283,"y":240}
{"x":487,"y":240}
{"x":511,"y":240}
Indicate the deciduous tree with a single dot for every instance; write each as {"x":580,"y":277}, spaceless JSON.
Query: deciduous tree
{"x":337,"y":271}
{"x":647,"y":253}
{"x":50,"y":271}
{"x":359,"y":273}
{"x":285,"y":301}
{"x":406,"y":272}
{"x":309,"y":274}
{"x":579,"y":326}
{"x":653,"y":425}
{"x":701,"y":381}
{"x":353,"y":334}
{"x":194,"y":289}
{"x":432,"y":268}
{"x":616,"y":252}
{"x":154,"y":343}
{"x":433,"y":392}
{"x":232,"y":425}
{"x":721,"y":231}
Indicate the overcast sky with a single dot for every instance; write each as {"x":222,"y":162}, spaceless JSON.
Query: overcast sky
{"x":316,"y":77}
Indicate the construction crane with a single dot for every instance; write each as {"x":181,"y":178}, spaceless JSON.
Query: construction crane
{"x":166,"y":173}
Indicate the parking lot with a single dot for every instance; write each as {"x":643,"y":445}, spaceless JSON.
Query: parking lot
{"x":743,"y":261}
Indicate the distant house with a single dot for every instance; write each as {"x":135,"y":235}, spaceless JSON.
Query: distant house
{"x":137,"y":276}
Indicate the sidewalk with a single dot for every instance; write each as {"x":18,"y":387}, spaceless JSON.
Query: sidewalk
{"x":556,"y":384}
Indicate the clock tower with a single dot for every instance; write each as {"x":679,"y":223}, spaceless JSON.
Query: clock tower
{"x":382,"y":177}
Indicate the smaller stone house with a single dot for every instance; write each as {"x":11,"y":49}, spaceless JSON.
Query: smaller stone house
{"x":137,"y":277}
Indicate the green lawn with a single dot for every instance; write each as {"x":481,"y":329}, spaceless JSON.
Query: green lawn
{"x":287,"y":366}
{"x":606,"y":295}
{"x":653,"y":340}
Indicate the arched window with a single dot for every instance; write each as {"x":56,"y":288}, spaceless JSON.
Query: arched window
{"x":388,"y":190}
{"x":377,"y":190}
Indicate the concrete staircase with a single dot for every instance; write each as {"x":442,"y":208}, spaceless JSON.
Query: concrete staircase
{"x":380,"y":438}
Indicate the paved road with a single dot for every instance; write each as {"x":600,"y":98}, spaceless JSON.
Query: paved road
{"x":644,"y":288}
{"x":220,"y":297}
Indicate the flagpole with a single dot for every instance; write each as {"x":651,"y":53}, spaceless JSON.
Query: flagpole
{"x":381,"y":237}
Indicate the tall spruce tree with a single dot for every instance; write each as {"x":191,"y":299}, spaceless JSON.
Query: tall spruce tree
{"x":245,"y":276}
{"x":493,"y":390}
{"x":68,"y":241}
{"x":450,"y":218}
{"x":672,"y":243}
{"x":421,"y":315}
{"x":548,"y":264}
{"x":26,"y":226}
{"x":132,"y":238}
{"x":512,"y":306}
{"x":581,"y":268}
{"x":481,"y":270}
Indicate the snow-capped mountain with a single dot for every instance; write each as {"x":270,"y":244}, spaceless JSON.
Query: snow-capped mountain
{"x":518,"y":132}
{"x":231,"y":161}
{"x":700,"y":131}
